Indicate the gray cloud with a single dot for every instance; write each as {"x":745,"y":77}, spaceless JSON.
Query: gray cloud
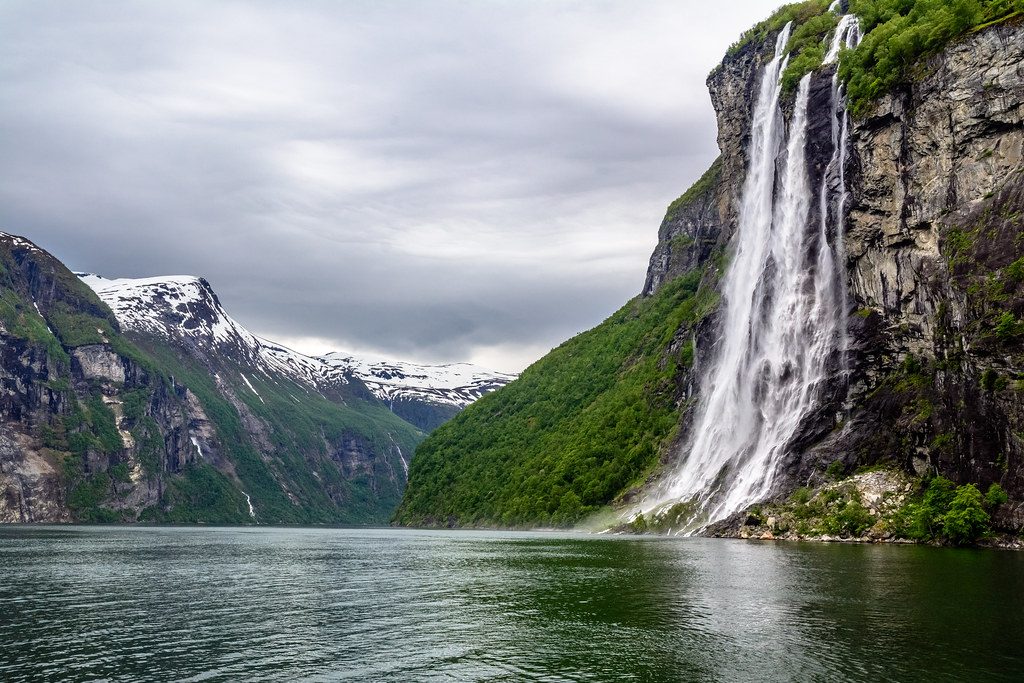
{"x":434,"y":180}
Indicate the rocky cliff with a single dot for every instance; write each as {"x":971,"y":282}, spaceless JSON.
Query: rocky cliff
{"x":933,"y":242}
{"x":934,"y":231}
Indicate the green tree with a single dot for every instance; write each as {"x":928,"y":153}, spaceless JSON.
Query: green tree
{"x":966,"y":519}
{"x":995,"y":496}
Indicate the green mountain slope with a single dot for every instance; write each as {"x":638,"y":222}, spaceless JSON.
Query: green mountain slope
{"x":579,"y":427}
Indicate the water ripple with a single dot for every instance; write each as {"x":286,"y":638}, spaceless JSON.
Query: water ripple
{"x":298,"y":604}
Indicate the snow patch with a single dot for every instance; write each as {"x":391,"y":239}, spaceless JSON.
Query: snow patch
{"x":249,"y":384}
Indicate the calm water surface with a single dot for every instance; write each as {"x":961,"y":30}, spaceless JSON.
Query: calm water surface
{"x":90,"y":603}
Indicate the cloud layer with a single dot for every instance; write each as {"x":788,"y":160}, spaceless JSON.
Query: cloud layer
{"x":436,"y":181}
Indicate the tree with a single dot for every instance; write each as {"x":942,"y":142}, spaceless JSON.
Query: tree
{"x":966,"y":519}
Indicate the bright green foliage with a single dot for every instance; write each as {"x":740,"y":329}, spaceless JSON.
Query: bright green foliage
{"x":995,"y":496}
{"x":835,"y":510}
{"x":946,"y":511}
{"x":807,"y":47}
{"x":798,"y":13}
{"x":801,"y":65}
{"x":578,"y":428}
{"x":899,"y":33}
{"x":966,"y":520}
{"x":851,"y":518}
{"x":1008,"y":326}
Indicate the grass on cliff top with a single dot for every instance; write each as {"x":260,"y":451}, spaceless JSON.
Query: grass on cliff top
{"x":708,"y":180}
{"x":897,"y":36}
{"x":807,"y":47}
{"x":797,"y":12}
{"x":579,"y":426}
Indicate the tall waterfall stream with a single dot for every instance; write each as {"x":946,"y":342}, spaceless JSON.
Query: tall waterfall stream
{"x":783,"y":328}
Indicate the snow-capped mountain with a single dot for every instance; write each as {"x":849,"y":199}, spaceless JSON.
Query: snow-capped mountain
{"x":457,"y":384}
{"x":185,"y":308}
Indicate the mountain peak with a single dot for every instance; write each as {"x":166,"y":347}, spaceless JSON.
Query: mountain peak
{"x":186,"y":309}
{"x":172,"y":306}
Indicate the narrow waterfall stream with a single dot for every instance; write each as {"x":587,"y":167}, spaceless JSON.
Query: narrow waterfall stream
{"x":782,"y":332}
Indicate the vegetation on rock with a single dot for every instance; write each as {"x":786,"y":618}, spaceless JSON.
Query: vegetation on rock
{"x":899,"y":33}
{"x":798,"y":13}
{"x":880,"y":504}
{"x":708,"y":180}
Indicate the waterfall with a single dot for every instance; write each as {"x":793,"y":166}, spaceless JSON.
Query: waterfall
{"x":782,"y":330}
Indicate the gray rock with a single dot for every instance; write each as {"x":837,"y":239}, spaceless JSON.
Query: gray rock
{"x":99,"y":362}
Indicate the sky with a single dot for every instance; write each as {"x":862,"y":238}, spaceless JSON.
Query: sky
{"x":435,"y":181}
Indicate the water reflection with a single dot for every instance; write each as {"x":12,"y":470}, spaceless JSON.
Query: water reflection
{"x":196,"y":604}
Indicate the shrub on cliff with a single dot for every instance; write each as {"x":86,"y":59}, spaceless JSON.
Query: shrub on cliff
{"x":966,"y":520}
{"x":797,"y":12}
{"x":899,"y":33}
{"x":957,"y":514}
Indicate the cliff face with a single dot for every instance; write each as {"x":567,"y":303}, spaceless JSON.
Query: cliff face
{"x":66,"y":438}
{"x":934,"y":228}
{"x":932,"y":239}
{"x":926,"y":379}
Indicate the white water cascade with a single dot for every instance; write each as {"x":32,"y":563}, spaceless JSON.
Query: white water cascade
{"x":782,"y":335}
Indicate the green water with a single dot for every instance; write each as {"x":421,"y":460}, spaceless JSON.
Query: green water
{"x":86,"y":603}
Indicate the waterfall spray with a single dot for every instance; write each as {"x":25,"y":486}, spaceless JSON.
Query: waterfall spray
{"x":782,"y":334}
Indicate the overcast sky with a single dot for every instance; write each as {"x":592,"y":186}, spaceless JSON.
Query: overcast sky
{"x":432,"y":181}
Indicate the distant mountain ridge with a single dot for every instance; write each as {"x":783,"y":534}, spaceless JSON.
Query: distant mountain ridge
{"x":186,"y":309}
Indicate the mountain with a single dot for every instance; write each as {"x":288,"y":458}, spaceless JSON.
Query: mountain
{"x":425,"y":395}
{"x":877,"y":163}
{"x":169,"y":411}
{"x":186,"y":311}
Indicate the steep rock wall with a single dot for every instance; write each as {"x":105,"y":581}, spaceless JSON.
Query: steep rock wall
{"x":936,"y":180}
{"x":934,"y":226}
